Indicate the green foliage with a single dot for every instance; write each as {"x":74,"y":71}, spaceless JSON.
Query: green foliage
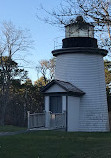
{"x":9,"y":67}
{"x":47,"y":69}
{"x":40,"y":82}
{"x":33,"y":98}
{"x":28,"y":82}
{"x":23,"y":97}
{"x":107,"y":66}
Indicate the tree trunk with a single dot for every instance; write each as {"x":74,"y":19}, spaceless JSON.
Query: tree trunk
{"x":3,"y":104}
{"x":2,"y":110}
{"x":1,"y":118}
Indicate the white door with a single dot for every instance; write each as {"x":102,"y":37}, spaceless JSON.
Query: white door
{"x":73,"y":113}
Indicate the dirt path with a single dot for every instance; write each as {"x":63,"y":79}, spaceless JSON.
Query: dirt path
{"x":13,"y":133}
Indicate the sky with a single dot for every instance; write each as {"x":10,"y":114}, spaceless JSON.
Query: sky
{"x":22,"y":13}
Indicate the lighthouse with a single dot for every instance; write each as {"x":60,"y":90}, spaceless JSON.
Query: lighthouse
{"x":79,"y":86}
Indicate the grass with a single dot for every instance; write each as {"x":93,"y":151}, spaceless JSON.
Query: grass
{"x":54,"y":144}
{"x":10,"y":128}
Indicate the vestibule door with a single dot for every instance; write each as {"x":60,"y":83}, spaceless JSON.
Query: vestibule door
{"x":55,"y":104}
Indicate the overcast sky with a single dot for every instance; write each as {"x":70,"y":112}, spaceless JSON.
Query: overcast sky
{"x":22,"y":13}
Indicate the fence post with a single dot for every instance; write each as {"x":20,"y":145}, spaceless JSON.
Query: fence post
{"x":47,"y":119}
{"x":64,"y":118}
{"x":35,"y":119}
{"x":28,"y":117}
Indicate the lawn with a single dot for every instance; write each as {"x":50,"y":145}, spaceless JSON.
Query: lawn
{"x":54,"y":144}
{"x":10,"y":128}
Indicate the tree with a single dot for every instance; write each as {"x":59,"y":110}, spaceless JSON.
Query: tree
{"x":43,"y":68}
{"x":12,"y":40}
{"x":46,"y":68}
{"x":33,"y":98}
{"x":7,"y":84}
{"x":107,"y":66}
{"x":97,"y":12}
{"x":51,"y":67}
{"x":100,"y":13}
{"x":40,"y":82}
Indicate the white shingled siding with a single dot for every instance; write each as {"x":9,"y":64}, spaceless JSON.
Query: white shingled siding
{"x":86,"y":71}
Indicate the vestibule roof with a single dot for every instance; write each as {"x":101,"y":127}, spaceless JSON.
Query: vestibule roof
{"x":68,"y":87}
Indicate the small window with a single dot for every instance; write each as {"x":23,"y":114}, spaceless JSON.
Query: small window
{"x":56,"y":104}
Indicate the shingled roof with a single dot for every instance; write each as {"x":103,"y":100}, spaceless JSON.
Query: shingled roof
{"x":67,"y":86}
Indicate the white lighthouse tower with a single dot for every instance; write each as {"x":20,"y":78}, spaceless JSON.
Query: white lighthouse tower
{"x":79,"y":64}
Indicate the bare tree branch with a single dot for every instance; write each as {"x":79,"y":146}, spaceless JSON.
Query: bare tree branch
{"x":98,"y":12}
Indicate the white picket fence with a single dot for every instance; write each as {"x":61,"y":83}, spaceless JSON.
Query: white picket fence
{"x":55,"y":120}
{"x":36,"y":120}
